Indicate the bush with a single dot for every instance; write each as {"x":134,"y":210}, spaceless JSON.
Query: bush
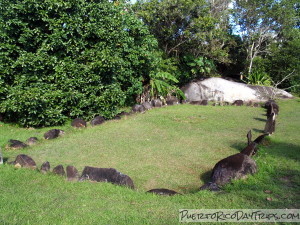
{"x":63,"y":59}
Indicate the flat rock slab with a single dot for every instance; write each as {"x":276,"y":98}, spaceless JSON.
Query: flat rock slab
{"x":110,"y":175}
{"x":163,"y":191}
{"x":222,"y":90}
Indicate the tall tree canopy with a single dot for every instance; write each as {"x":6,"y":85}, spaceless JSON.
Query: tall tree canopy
{"x":262,"y":23}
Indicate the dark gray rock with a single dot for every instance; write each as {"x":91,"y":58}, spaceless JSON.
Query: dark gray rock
{"x":147,"y":105}
{"x":72,"y":173}
{"x":156,"y":103}
{"x":123,"y":113}
{"x":272,"y":108}
{"x":233,"y":167}
{"x":236,"y":166}
{"x":15,"y":144}
{"x":138,"y":108}
{"x":97,"y":120}
{"x":54,"y":133}
{"x":32,"y":140}
{"x":268,"y":103}
{"x":204,"y":102}
{"x":45,"y":167}
{"x":195,"y":102}
{"x":110,"y":175}
{"x":238,"y":103}
{"x":201,"y":102}
{"x":270,"y":124}
{"x":172,"y":100}
{"x":117,"y":117}
{"x":23,"y":160}
{"x":163,"y":191}
{"x":59,"y":170}
{"x":78,"y":123}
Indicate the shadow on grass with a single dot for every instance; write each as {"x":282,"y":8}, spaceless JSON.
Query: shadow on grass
{"x":205,"y":177}
{"x":239,"y":146}
{"x":260,"y":119}
{"x":258,"y":130}
{"x":285,"y":150}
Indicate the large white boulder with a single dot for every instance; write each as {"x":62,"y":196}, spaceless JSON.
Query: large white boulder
{"x":219,"y":89}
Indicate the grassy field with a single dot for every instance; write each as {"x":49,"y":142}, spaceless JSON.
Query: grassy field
{"x":173,"y":147}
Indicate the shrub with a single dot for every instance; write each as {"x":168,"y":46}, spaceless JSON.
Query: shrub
{"x":61,"y":59}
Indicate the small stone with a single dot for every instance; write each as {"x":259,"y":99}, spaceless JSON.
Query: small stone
{"x":78,"y":123}
{"x":123,"y":113}
{"x":54,"y":133}
{"x":238,"y":103}
{"x":156,"y":103}
{"x":97,"y":120}
{"x":172,"y":100}
{"x":269,"y":199}
{"x":59,"y":170}
{"x":117,"y":117}
{"x":31,"y":140}
{"x":45,"y":167}
{"x":147,"y":105}
{"x":24,"y":161}
{"x":268,"y":191}
{"x":138,"y":108}
{"x":15,"y":144}
{"x":72,"y":173}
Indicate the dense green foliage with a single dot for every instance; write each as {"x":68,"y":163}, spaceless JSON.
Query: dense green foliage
{"x":188,"y":31}
{"x":66,"y":59}
{"x":61,"y":59}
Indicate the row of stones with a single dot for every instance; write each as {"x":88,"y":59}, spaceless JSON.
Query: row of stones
{"x":241,"y":164}
{"x":98,"y":174}
{"x":89,"y":173}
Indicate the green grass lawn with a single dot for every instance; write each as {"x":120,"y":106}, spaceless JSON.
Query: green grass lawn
{"x":173,"y":147}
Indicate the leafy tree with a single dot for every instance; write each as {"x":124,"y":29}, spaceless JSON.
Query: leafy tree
{"x":61,"y":59}
{"x":192,"y":28}
{"x":283,"y":61}
{"x":261,"y":23}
